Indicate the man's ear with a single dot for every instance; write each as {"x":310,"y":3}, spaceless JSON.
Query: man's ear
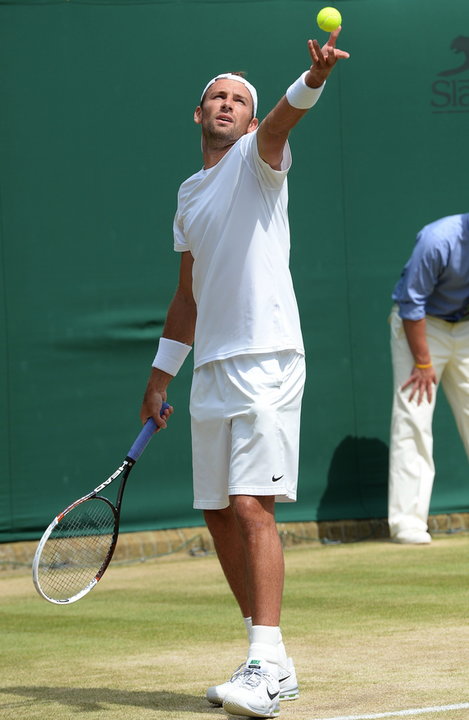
{"x":198,"y":115}
{"x":253,"y":125}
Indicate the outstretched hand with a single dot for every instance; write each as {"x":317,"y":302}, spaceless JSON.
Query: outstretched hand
{"x":324,"y":59}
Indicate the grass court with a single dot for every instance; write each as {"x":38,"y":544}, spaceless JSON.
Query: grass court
{"x":375,"y":629}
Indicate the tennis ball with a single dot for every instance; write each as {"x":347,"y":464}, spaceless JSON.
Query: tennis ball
{"x":329,"y":19}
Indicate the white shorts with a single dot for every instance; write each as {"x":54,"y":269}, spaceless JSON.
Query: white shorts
{"x":245,"y":413}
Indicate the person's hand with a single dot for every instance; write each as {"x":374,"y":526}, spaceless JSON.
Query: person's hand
{"x":323,"y":59}
{"x":421,"y":382}
{"x":151,"y":405}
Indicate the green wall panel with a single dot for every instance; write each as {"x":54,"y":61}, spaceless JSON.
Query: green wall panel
{"x":96,"y":135}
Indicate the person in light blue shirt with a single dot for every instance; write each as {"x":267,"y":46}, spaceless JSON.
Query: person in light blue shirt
{"x":434,"y":281}
{"x":429,"y":344}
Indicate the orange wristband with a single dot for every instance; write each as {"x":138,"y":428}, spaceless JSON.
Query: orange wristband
{"x":423,"y":367}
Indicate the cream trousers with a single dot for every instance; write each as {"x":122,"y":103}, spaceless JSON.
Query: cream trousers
{"x":411,"y":467}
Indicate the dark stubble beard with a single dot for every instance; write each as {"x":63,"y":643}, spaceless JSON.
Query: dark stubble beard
{"x":217,"y":138}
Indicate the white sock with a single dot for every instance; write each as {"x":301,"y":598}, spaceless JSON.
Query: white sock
{"x":266,"y":635}
{"x":248,"y":625}
{"x":265,"y":640}
{"x":282,"y":654}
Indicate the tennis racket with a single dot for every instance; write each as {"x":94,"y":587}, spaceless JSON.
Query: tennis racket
{"x":78,"y":545}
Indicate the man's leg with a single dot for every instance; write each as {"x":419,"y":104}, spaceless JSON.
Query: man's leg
{"x":240,"y":532}
{"x":229,"y":547}
{"x":455,"y":380}
{"x":268,"y":676}
{"x":411,"y":467}
{"x":263,"y":554}
{"x":265,"y":401}
{"x":250,"y":552}
{"x":261,"y":408}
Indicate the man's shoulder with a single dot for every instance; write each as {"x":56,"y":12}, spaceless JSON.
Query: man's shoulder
{"x":192,"y":179}
{"x":189,"y":185}
{"x":240,"y":147}
{"x":438,"y":241}
{"x":443,"y":233}
{"x":445,"y":226}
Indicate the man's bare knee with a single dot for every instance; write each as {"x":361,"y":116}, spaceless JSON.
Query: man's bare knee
{"x":253,"y":513}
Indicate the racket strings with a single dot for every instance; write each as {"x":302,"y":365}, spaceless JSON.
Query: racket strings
{"x":76,"y":549}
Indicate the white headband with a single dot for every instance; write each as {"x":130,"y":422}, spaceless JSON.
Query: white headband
{"x":238,"y":78}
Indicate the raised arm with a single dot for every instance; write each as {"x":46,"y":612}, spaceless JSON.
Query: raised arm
{"x":274,"y":129}
{"x":179,"y":326}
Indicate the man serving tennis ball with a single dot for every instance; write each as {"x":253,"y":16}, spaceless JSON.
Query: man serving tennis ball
{"x":235,"y":301}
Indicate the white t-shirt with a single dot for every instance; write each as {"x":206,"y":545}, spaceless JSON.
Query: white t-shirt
{"x":233,"y":219}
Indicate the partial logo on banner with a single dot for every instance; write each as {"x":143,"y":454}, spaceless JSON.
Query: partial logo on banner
{"x":450,"y":91}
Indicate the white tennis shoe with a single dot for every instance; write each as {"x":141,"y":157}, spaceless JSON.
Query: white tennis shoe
{"x":412,"y":537}
{"x":256,"y":693}
{"x":287,"y":682}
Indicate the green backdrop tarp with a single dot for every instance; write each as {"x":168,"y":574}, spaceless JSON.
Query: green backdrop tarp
{"x":96,"y":135}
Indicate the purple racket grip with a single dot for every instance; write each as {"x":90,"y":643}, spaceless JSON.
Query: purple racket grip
{"x":144,"y":436}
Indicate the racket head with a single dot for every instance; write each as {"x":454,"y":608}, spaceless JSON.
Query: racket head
{"x":75,"y":550}
{"x":79,"y":543}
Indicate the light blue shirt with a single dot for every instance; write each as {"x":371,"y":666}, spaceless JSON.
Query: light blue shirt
{"x":435,"y":279}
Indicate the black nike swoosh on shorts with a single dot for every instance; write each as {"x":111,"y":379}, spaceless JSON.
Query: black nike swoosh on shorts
{"x":274,"y":479}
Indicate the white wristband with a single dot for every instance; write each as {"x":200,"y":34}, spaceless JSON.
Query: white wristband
{"x":170,"y":356}
{"x":301,"y":96}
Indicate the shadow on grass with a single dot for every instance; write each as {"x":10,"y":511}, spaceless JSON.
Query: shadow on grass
{"x":94,"y":699}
